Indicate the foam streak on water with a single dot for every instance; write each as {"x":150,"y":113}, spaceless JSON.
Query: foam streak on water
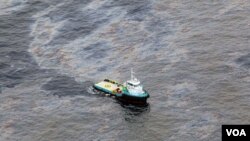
{"x":192,"y":56}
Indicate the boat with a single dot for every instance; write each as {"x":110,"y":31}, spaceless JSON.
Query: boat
{"x":130,"y":92}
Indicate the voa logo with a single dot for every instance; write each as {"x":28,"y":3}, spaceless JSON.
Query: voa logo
{"x":236,"y":132}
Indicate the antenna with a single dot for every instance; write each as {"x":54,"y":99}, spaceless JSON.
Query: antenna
{"x":132,"y":74}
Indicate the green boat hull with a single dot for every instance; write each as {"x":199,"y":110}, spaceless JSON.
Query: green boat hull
{"x":125,"y":96}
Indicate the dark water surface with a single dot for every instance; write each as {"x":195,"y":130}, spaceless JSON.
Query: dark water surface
{"x":192,"y":56}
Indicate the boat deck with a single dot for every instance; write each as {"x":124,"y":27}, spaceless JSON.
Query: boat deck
{"x":108,"y":86}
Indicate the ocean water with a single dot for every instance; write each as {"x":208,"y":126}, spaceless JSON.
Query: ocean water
{"x":193,"y":57}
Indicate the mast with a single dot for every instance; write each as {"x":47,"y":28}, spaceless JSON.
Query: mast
{"x":133,"y":78}
{"x":132,"y":74}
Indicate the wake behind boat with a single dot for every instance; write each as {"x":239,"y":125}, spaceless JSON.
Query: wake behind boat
{"x":131,"y":91}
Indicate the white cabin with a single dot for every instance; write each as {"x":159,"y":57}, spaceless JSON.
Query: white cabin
{"x":134,"y":85}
